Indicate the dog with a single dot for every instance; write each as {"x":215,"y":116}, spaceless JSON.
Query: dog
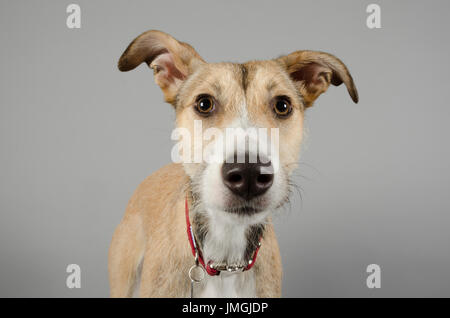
{"x":203,"y":229}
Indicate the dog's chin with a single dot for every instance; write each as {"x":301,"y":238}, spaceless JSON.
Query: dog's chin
{"x":242,"y":207}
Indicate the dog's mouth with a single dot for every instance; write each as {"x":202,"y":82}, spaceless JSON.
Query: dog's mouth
{"x":243,"y":210}
{"x":239,"y":206}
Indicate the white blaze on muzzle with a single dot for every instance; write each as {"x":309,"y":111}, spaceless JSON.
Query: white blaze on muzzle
{"x":231,"y":145}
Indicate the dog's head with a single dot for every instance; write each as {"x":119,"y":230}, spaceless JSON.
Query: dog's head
{"x":259,"y":106}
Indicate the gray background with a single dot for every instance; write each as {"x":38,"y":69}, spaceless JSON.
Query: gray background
{"x":77,"y":137}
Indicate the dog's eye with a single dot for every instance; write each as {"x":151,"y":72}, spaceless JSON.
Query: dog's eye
{"x":204,"y":104}
{"x":282,"y":106}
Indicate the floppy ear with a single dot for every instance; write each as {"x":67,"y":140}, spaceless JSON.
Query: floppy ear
{"x":172,"y":61}
{"x":312,"y":73}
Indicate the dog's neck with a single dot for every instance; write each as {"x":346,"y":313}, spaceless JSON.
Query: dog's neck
{"x":226,"y":238}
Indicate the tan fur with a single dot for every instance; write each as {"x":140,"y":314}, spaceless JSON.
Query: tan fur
{"x":152,"y":233}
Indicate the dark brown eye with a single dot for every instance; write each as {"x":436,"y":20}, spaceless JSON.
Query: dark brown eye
{"x":282,"y":106}
{"x":204,"y":104}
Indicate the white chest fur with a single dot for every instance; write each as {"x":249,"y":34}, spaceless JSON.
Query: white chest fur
{"x":228,"y":285}
{"x":226,"y":241}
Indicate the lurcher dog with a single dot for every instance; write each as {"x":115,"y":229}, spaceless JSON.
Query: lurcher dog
{"x":210,"y":221}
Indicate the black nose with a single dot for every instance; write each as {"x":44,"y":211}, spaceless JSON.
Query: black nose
{"x":247,"y":180}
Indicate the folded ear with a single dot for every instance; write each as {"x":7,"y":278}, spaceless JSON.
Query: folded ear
{"x":172,"y":61}
{"x":312,"y":73}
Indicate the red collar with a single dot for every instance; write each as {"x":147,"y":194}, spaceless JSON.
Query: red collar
{"x":195,"y":250}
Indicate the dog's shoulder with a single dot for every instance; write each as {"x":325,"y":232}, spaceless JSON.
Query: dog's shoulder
{"x":166,"y":179}
{"x":159,"y":192}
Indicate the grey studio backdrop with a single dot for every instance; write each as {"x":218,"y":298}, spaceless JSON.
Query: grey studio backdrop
{"x":77,"y":137}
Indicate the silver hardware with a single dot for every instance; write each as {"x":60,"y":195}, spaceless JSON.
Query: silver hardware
{"x":196,"y":274}
{"x":221,"y":267}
